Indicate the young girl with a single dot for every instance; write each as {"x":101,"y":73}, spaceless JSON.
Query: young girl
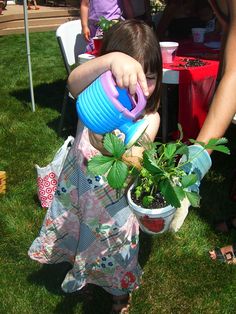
{"x":87,"y":225}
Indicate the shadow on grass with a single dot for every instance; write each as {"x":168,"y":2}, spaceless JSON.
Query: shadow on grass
{"x":51,"y":96}
{"x":146,"y":242}
{"x":46,"y":95}
{"x":93,"y":299}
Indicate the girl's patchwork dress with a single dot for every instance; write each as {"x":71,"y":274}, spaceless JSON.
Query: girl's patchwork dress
{"x":88,"y":226}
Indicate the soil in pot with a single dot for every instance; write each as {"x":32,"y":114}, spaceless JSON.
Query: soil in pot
{"x":159,"y":201}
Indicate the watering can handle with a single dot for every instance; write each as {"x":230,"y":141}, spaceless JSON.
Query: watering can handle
{"x":141,"y":102}
{"x":109,"y":84}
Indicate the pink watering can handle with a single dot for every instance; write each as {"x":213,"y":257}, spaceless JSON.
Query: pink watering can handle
{"x":109,"y":86}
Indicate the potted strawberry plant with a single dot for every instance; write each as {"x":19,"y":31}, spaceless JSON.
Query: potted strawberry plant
{"x":166,"y":174}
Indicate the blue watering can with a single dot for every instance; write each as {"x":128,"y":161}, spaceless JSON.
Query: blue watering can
{"x":104,"y":107}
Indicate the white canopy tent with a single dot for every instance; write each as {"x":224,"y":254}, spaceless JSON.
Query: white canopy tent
{"x":28,"y":54}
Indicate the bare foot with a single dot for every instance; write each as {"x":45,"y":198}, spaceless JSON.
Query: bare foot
{"x":225,"y":254}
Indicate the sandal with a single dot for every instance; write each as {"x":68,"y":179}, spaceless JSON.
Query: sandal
{"x":226,"y":225}
{"x":120,"y":304}
{"x":226,"y":254}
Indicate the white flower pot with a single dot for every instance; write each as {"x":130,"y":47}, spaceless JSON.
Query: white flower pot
{"x":152,"y":221}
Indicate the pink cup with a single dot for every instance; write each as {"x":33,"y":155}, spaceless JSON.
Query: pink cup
{"x":168,"y":51}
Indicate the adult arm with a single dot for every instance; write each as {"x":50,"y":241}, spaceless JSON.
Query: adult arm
{"x":223,"y":106}
{"x":84,"y":14}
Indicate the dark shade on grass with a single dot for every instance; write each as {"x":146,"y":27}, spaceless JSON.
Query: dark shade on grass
{"x":178,"y":275}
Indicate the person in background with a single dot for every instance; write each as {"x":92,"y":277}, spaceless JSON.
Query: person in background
{"x":180,"y":16}
{"x":223,"y":106}
{"x":88,"y":224}
{"x":92,"y":10}
{"x":35,"y":5}
{"x":140,"y":10}
{"x":220,"y":115}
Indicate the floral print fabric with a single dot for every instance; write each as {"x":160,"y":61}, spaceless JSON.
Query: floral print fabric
{"x":90,"y":227}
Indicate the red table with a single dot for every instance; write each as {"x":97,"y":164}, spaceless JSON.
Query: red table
{"x":196,"y":89}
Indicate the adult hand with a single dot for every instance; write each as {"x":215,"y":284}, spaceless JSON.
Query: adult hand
{"x":200,"y":163}
{"x":128,"y":72}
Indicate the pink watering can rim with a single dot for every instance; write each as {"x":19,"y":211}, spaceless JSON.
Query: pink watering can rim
{"x":109,"y":86}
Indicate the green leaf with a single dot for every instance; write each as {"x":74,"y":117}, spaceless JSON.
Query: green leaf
{"x":105,"y":24}
{"x":221,"y":148}
{"x":99,"y":165}
{"x":182,"y":150}
{"x":217,"y":141}
{"x":170,"y":150}
{"x":194,"y":198}
{"x":114,"y":145}
{"x":196,"y":142}
{"x":117,"y":175}
{"x":189,"y":180}
{"x":179,"y":192}
{"x":169,"y":193}
{"x":149,"y":163}
{"x":222,"y":140}
{"x":214,"y":144}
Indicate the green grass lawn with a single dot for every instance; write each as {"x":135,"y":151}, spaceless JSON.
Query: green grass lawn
{"x":178,"y":275}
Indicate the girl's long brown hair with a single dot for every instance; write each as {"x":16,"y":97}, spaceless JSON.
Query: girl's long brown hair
{"x":138,"y":40}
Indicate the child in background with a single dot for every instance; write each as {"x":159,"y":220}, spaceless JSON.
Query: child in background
{"x":92,"y":10}
{"x":88,"y":225}
{"x":35,"y":5}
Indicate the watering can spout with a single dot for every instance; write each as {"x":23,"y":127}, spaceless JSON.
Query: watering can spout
{"x":133,"y":131}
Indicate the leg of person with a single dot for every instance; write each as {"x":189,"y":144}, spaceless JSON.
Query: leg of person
{"x":35,"y":5}
{"x":232,"y":192}
{"x":29,"y":6}
{"x":226,"y":254}
{"x":226,"y":225}
{"x":120,"y":304}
